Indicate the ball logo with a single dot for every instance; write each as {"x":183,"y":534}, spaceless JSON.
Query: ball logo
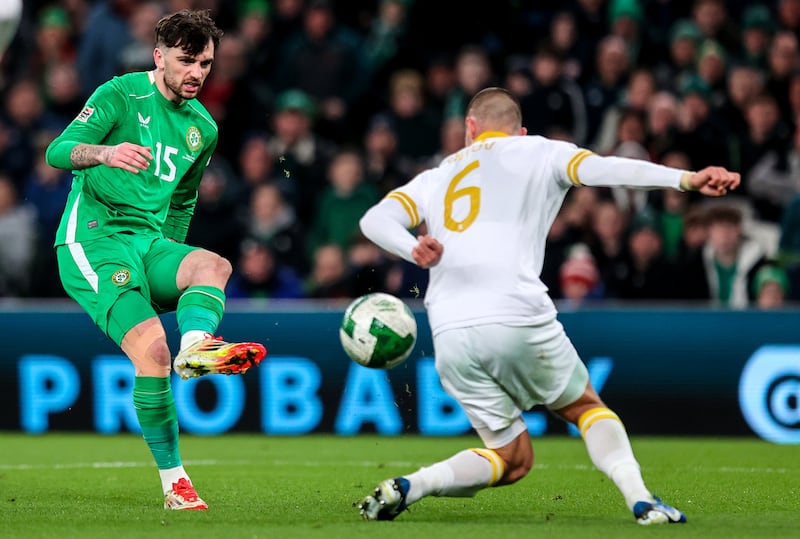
{"x":120,"y":277}
{"x":769,"y":393}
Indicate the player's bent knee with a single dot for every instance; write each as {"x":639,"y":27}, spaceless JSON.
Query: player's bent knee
{"x":146,"y":347}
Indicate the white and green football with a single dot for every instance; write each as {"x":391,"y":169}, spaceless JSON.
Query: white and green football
{"x":378,"y":331}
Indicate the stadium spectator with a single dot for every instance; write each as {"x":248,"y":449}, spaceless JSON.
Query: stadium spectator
{"x":61,"y":92}
{"x":701,"y":134}
{"x":744,"y":83}
{"x":639,"y":91}
{"x":770,"y":287}
{"x":714,"y":22}
{"x":648,"y":274}
{"x":259,"y":275}
{"x":766,"y":132}
{"x":579,"y":278}
{"x":671,"y":207}
{"x":385,"y":39}
{"x":554,"y":103}
{"x":626,"y":20}
{"x":368,"y":267}
{"x":215,"y":225}
{"x":788,"y":15}
{"x":256,"y":165}
{"x":607,"y":244}
{"x":757,"y":29}
{"x":782,"y":60}
{"x":662,"y":125}
{"x":711,"y":68}
{"x":325,"y":60}
{"x":45,"y":190}
{"x":303,"y":154}
{"x":689,"y":263}
{"x":563,"y":38}
{"x":605,"y":88}
{"x":23,"y":118}
{"x":730,"y":259}
{"x":17,"y":240}
{"x":414,"y":122}
{"x":591,"y":23}
{"x":385,"y":168}
{"x":272,"y":221}
{"x":106,"y":33}
{"x":137,"y":55}
{"x":440,"y":81}
{"x":671,"y":70}
{"x":54,"y":41}
{"x":329,"y":278}
{"x":789,"y":245}
{"x":474,"y":70}
{"x":774,"y":180}
{"x":342,"y":203}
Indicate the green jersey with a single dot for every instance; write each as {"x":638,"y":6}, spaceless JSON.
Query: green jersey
{"x":159,"y":200}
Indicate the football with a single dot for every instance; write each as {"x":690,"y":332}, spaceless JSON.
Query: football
{"x":378,"y":331}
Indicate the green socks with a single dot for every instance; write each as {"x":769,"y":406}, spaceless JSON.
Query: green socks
{"x":155,"y":408}
{"x":200,"y":308}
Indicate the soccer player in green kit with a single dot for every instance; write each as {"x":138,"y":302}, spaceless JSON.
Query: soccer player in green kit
{"x":138,"y":150}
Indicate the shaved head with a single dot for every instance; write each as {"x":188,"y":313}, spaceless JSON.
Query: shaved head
{"x":495,"y":109}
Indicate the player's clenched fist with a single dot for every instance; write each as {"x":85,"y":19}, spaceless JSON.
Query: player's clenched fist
{"x":428,"y":252}
{"x":713,"y":181}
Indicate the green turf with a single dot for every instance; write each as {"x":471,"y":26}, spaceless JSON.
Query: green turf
{"x":88,"y":486}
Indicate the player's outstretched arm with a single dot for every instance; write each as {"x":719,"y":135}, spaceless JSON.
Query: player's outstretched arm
{"x":711,"y":181}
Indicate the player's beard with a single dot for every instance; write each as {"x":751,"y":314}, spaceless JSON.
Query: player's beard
{"x":176,"y":86}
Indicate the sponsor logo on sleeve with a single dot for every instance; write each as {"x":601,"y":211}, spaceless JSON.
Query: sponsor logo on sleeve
{"x":85,"y":114}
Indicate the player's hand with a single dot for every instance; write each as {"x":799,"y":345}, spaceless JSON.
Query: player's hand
{"x":428,"y":251}
{"x":713,"y":181}
{"x":128,"y":156}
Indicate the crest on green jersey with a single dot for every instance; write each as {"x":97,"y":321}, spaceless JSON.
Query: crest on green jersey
{"x":194,"y":140}
{"x":121,"y":276}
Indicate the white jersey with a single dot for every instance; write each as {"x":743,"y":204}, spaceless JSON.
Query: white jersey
{"x":491,"y":206}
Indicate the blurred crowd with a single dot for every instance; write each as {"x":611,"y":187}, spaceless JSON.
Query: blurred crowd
{"x":324,"y":107}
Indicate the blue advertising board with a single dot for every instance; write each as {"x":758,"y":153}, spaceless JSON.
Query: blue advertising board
{"x":663,"y":370}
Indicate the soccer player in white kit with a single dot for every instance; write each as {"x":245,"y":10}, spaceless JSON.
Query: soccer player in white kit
{"x":499,"y":348}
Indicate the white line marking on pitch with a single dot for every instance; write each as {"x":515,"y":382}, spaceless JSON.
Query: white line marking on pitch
{"x":316,"y":464}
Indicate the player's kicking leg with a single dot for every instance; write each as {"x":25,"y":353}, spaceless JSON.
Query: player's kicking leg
{"x":212,"y":355}
{"x":610,"y":451}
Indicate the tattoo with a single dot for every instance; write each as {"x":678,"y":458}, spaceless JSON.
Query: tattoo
{"x":87,"y":155}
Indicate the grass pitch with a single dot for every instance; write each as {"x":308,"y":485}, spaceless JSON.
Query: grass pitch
{"x":90,"y":486}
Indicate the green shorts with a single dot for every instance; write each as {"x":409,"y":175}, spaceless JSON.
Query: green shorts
{"x":98,"y":272}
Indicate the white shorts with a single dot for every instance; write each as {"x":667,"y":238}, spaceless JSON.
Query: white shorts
{"x":496,"y":372}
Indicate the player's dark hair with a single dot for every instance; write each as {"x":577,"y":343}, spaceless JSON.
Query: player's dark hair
{"x":189,"y":30}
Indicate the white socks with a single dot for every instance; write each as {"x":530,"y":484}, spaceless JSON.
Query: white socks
{"x":462,"y":475}
{"x":191,"y":337}
{"x":610,"y":450}
{"x":171,"y":475}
